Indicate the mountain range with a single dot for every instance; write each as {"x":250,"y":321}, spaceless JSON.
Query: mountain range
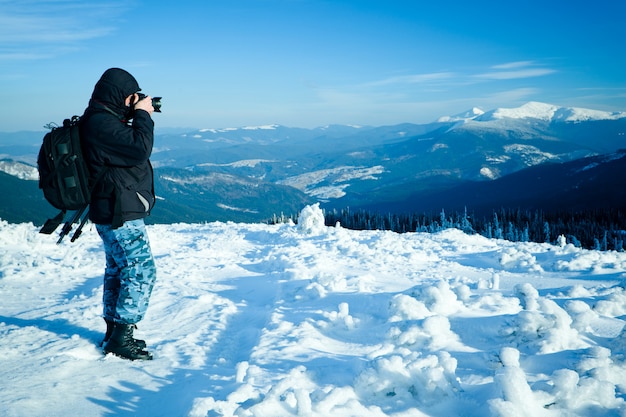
{"x":534,"y":156}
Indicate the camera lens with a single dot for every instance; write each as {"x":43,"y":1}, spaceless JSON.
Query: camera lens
{"x":156,"y":103}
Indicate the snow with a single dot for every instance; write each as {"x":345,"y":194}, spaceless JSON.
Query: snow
{"x":488,"y":173}
{"x":233,"y":129}
{"x":549,"y":112}
{"x":533,"y":109}
{"x":245,"y":163}
{"x":338,"y":178}
{"x":19,"y":170}
{"x":531,"y":155}
{"x":263,"y":127}
{"x":308,"y":320}
{"x":468,"y":115}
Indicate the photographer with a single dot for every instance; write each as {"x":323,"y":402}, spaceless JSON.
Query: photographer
{"x":117,"y":134}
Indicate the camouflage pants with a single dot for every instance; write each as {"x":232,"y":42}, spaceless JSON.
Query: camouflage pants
{"x":130,"y":271}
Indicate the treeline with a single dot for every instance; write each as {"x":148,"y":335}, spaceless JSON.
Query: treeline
{"x":601,"y":229}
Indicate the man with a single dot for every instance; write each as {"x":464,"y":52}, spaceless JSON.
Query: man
{"x":117,"y":134}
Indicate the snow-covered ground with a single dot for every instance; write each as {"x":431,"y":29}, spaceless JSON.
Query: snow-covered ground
{"x":306,"y":320}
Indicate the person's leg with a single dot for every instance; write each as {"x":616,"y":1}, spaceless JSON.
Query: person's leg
{"x":129,"y":249}
{"x":137,"y":273}
{"x":115,"y":261}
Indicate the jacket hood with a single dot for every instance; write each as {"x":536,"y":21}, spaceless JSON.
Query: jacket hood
{"x":113,"y":87}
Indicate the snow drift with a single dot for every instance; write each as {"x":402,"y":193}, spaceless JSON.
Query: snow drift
{"x":286,"y":320}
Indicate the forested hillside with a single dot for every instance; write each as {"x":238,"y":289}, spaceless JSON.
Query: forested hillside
{"x":600,"y":229}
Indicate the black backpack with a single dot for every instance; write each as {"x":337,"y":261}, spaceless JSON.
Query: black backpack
{"x":64,"y":177}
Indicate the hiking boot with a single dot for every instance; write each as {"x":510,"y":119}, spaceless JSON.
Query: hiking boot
{"x":107,"y":335}
{"x":122,"y":344}
{"x":109,"y":330}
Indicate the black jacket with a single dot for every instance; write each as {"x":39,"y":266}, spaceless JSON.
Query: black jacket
{"x":118,"y":152}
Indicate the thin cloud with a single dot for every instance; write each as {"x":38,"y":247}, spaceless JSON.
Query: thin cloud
{"x":512,"y":65}
{"x":22,"y":56}
{"x":513,"y":75}
{"x":28,"y":26}
{"x":515,"y":70}
{"x":413,"y":79}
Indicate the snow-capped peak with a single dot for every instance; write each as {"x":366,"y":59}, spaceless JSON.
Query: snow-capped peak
{"x":549,"y":113}
{"x":532,"y":110}
{"x":233,"y":129}
{"x":468,"y":115}
{"x":575,"y":114}
{"x":264,"y":127}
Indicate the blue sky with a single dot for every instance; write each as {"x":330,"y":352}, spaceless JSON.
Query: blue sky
{"x":309,"y":63}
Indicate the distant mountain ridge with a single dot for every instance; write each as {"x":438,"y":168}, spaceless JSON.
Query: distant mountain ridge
{"x":250,"y":173}
{"x":550,"y":113}
{"x":591,"y":183}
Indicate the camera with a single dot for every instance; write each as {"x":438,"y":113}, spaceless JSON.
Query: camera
{"x":156,"y":102}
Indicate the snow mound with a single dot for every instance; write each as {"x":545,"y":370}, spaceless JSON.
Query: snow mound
{"x":311,"y":220}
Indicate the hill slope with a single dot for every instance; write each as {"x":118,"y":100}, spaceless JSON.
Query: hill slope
{"x":588,"y":183}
